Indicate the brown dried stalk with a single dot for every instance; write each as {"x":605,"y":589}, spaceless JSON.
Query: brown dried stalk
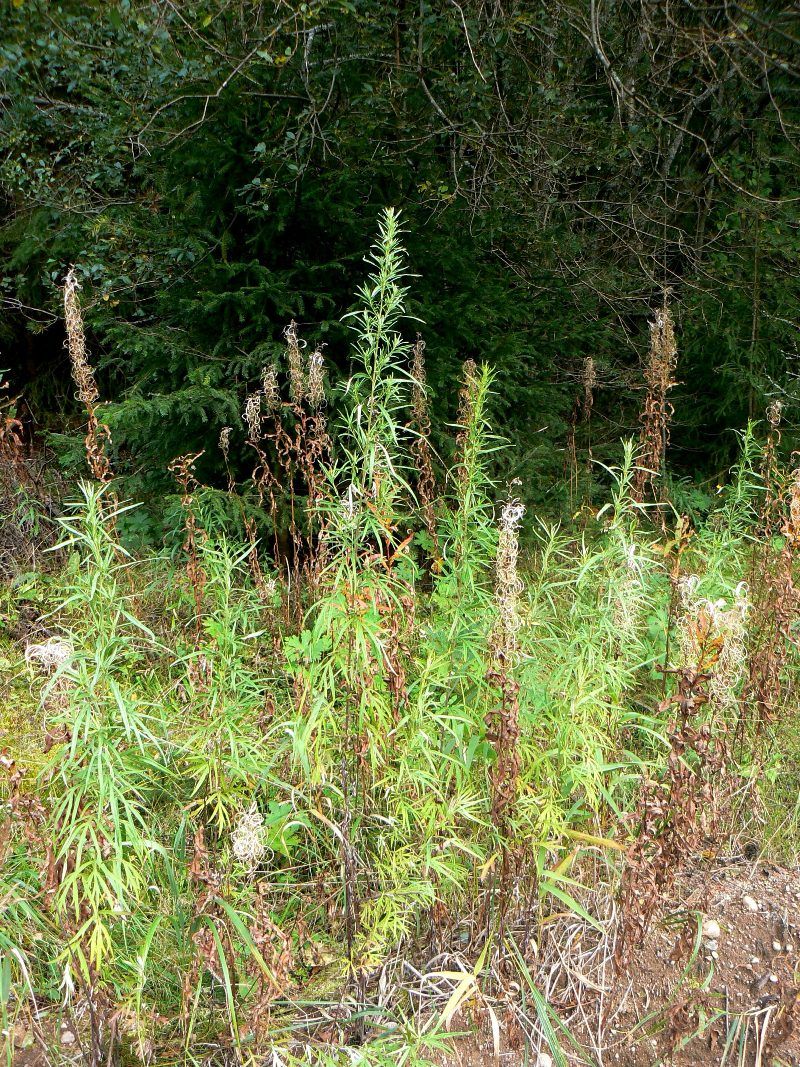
{"x":657,"y":411}
{"x":421,"y":444}
{"x":776,"y":608}
{"x":217,"y":955}
{"x":12,"y":436}
{"x":675,"y":814}
{"x":296,"y":444}
{"x":98,"y":436}
{"x":503,"y":721}
{"x":589,"y":381}
{"x":265,"y":482}
{"x":313,"y":445}
{"x":19,"y":467}
{"x":467,"y":397}
{"x":182,"y":469}
{"x":399,"y":624}
{"x":265,"y":587}
{"x":669,"y":816}
{"x":294,"y":357}
{"x":770,"y":471}
{"x":276,"y":950}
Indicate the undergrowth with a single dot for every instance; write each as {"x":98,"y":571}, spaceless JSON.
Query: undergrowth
{"x":317,"y":797}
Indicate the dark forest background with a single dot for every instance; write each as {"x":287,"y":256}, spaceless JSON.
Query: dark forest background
{"x":214,"y":170}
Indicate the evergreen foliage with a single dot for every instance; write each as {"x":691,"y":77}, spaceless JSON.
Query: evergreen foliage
{"x":214,"y":171}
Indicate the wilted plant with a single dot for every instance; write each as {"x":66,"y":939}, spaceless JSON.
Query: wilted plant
{"x":503,"y":722}
{"x":290,"y":438}
{"x":225,"y":442}
{"x":52,"y":653}
{"x":675,"y":809}
{"x":589,"y":383}
{"x":270,"y":391}
{"x":421,"y":444}
{"x":298,"y":379}
{"x":775,"y":612}
{"x":14,"y":472}
{"x":263,"y":477}
{"x":98,"y":436}
{"x":314,"y":449}
{"x":770,"y":472}
{"x":678,"y":809}
{"x":316,"y":380}
{"x":468,"y":536}
{"x":714,"y":629}
{"x":182,"y":469}
{"x":657,"y":410}
{"x":247,"y":839}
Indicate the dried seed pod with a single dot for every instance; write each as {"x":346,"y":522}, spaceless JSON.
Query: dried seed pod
{"x":252,"y":417}
{"x":247,"y":839}
{"x":316,"y":379}
{"x":657,"y":412}
{"x":98,"y":435}
{"x":225,"y":441}
{"x":294,"y":357}
{"x":269,"y":389}
{"x":589,"y":379}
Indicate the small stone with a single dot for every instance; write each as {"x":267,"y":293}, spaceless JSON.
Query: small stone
{"x":711,"y":929}
{"x":755,"y":960}
{"x":714,"y":955}
{"x":712,"y":946}
{"x":543,"y":1060}
{"x":750,"y":903}
{"x":773,"y":978}
{"x":777,"y":946}
{"x":67,"y":1037}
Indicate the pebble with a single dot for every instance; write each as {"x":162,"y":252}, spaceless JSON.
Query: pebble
{"x":750,"y":903}
{"x":711,"y":929}
{"x":712,"y":946}
{"x":67,"y":1037}
{"x":777,"y":946}
{"x":755,"y":959}
{"x":773,"y":978}
{"x":543,"y":1060}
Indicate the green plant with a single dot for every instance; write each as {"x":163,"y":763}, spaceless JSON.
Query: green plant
{"x":327,"y":805}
